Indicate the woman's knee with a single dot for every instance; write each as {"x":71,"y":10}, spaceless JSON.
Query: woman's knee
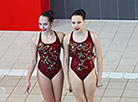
{"x":91,"y":99}
{"x":49,"y":100}
{"x":58,"y":100}
{"x":81,"y":99}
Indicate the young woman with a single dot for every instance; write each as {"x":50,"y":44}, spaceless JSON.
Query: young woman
{"x":50,"y":74}
{"x":79,"y":45}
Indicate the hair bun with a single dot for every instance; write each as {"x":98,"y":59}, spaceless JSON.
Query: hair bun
{"x":51,"y":12}
{"x":81,"y":10}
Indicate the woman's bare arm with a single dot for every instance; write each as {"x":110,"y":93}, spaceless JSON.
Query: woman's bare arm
{"x":34,"y":55}
{"x":99,"y":59}
{"x":66,"y":61}
{"x":61,"y":36}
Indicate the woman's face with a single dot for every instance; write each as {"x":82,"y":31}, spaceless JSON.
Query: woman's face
{"x":77,"y":22}
{"x":44,"y":23}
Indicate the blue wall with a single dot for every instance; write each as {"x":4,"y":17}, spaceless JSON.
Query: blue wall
{"x":97,"y":9}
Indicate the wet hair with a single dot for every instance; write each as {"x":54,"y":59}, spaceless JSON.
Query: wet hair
{"x":49,"y":14}
{"x":79,"y":12}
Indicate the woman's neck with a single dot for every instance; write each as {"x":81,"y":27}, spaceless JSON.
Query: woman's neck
{"x":81,"y":32}
{"x":48,"y":32}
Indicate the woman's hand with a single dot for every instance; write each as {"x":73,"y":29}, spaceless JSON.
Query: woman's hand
{"x":28,"y":85}
{"x":99,"y":82}
{"x":93,"y":57}
{"x":68,"y":87}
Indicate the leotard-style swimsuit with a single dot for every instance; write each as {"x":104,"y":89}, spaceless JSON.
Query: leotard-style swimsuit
{"x":49,"y":63}
{"x":81,"y":54}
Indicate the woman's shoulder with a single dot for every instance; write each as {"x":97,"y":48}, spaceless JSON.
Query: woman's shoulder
{"x":35,"y":38}
{"x":67,"y":38}
{"x":94,"y":35}
{"x":60,"y":34}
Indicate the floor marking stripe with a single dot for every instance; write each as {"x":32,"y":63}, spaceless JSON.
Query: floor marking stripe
{"x":116,"y":75}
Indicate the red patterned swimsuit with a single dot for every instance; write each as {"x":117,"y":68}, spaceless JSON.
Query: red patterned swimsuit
{"x":49,"y":63}
{"x":81,"y":54}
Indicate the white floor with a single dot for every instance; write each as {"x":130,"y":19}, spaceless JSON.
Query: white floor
{"x":120,"y":62}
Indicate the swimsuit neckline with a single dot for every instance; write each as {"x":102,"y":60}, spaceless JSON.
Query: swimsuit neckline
{"x":82,"y":41}
{"x":48,"y":43}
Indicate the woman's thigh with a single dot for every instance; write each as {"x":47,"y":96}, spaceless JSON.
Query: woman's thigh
{"x":57,"y":83}
{"x":77,"y":87}
{"x":90,"y":85}
{"x":45,"y":87}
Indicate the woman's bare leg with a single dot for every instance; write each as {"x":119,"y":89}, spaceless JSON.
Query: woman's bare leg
{"x":90,"y":86}
{"x":77,"y":87}
{"x":57,"y":83}
{"x":45,"y":87}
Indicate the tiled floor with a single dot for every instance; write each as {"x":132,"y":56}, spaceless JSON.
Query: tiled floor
{"x":120,"y":59}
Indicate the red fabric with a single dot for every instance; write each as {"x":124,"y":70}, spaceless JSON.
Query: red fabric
{"x":81,"y":54}
{"x":21,"y":15}
{"x":49,"y":63}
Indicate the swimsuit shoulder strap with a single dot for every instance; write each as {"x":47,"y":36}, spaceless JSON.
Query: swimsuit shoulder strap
{"x":90,"y":37}
{"x":57,"y":38}
{"x":39,"y":37}
{"x":71,"y":36}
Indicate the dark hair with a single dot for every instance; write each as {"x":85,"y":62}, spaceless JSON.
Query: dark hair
{"x":49,"y":14}
{"x":79,"y":12}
